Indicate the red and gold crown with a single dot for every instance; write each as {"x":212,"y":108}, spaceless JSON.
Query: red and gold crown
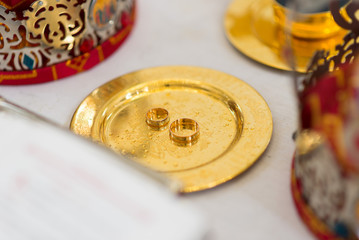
{"x":325,"y":176}
{"x":45,"y":40}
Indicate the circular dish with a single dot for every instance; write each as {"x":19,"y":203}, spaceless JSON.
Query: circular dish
{"x":234,"y":120}
{"x":252,"y":29}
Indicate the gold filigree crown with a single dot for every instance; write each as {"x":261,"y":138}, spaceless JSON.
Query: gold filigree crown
{"x":44,"y":33}
{"x":325,"y":175}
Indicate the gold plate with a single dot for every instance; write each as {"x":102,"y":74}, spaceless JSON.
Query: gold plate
{"x":251,"y":28}
{"x":234,"y":120}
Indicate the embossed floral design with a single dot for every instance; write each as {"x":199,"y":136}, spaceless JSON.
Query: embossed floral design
{"x":62,"y":31}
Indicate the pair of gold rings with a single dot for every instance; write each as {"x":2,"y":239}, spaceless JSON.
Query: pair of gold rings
{"x":182,"y":131}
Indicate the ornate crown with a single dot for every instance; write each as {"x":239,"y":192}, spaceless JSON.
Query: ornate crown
{"x":325,"y":177}
{"x":44,"y":40}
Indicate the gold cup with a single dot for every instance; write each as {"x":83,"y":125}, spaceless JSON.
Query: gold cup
{"x":314,"y":25}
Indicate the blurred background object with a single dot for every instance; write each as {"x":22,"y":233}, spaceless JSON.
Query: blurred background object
{"x":55,"y":185}
{"x":325,"y":176}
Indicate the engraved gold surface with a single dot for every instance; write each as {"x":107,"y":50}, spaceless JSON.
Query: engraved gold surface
{"x":61,"y":31}
{"x":252,"y":28}
{"x":235,"y":122}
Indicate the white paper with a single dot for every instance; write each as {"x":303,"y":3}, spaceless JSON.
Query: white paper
{"x":54,"y":185}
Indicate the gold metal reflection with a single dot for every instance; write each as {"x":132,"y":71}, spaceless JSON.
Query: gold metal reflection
{"x":234,"y":123}
{"x":256,"y":29}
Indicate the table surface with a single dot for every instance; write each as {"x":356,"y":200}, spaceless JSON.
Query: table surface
{"x":255,"y":205}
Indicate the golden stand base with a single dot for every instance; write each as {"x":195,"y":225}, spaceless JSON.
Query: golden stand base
{"x":251,"y":27}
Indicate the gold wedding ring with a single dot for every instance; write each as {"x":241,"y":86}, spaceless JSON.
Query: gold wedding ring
{"x":184,"y":131}
{"x":157,"y":118}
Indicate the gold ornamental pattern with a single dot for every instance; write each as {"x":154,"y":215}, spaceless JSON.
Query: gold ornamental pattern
{"x":49,"y":32}
{"x":61,"y":32}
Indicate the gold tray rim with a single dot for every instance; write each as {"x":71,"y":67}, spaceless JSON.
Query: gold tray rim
{"x":189,"y":177}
